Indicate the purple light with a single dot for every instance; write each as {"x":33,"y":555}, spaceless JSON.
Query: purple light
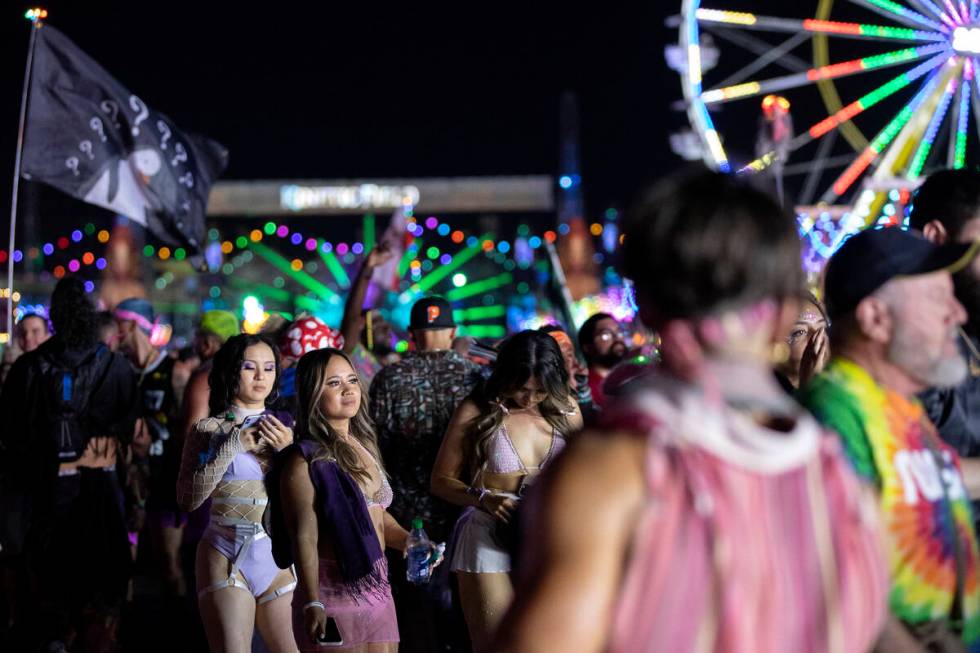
{"x":445,"y":259}
{"x":431,"y":222}
{"x":282,"y":231}
{"x":89,"y":286}
{"x":48,"y":249}
{"x":357,"y":248}
{"x":73,"y":265}
{"x":311,"y":244}
{"x":18,"y":255}
{"x":76,"y":235}
{"x":326,"y":248}
{"x":418,"y":231}
{"x":341,"y":248}
{"x":296,"y":239}
{"x":100,"y":263}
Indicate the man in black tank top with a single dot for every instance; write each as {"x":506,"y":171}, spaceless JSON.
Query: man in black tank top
{"x":157,"y":444}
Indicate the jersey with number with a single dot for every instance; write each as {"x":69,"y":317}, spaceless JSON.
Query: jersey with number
{"x":924,"y":504}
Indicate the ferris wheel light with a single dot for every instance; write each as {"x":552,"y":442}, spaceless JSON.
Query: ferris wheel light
{"x":967,"y":39}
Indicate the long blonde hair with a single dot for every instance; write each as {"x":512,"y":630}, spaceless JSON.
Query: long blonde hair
{"x":312,"y":424}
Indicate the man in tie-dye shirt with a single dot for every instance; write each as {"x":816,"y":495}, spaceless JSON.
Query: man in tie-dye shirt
{"x":893,"y":332}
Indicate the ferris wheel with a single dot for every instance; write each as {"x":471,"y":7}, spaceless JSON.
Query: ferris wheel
{"x":883,"y":94}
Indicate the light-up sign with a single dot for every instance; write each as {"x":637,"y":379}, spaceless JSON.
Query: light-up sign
{"x":363,"y":196}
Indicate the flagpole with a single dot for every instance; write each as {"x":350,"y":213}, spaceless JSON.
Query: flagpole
{"x":34,"y":15}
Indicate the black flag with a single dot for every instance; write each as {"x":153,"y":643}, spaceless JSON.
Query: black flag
{"x":88,"y":136}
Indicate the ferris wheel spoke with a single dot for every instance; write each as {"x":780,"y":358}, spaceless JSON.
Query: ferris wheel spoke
{"x":900,"y":14}
{"x":959,"y":14}
{"x":768,"y":54}
{"x":851,"y":110}
{"x":757,"y":46}
{"x":874,"y":97}
{"x":963,"y":116}
{"x":929,"y":136}
{"x":750,"y":21}
{"x":931,"y":8}
{"x":832,"y":71}
{"x":881,"y":141}
{"x":975,"y":95}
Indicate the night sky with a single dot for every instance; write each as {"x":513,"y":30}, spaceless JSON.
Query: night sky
{"x":337,"y":91}
{"x":372,"y":91}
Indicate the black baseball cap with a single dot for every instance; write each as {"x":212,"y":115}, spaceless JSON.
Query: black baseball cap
{"x":431,"y":313}
{"x":869,"y":259}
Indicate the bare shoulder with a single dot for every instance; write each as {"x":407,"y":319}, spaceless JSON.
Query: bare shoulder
{"x":467,"y":410}
{"x":602,"y":472}
{"x":199,"y":380}
{"x":295,"y":468}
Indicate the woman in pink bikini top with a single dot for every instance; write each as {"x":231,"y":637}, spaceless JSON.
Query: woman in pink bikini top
{"x":494,"y":448}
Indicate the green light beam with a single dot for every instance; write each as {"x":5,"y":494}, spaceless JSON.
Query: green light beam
{"x":478,"y":287}
{"x":407,"y":257}
{"x":440,"y":273}
{"x":369,"y":232}
{"x":478,"y":313}
{"x":333,"y":264}
{"x":306,"y":303}
{"x":260,"y":290}
{"x":482,"y":330}
{"x":282,"y":264}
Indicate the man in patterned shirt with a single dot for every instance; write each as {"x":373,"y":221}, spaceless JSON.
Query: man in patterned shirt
{"x":894,"y":322}
{"x":412,"y":402}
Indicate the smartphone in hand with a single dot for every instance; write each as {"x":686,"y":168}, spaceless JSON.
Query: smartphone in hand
{"x":251,"y":420}
{"x":331,"y":634}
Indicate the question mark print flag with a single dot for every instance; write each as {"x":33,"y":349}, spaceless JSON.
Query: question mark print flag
{"x":88,"y":136}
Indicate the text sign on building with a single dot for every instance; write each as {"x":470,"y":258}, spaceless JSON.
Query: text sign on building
{"x":268,"y":197}
{"x":359,"y":197}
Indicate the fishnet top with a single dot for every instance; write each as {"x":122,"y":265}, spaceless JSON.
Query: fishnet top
{"x":209,"y":450}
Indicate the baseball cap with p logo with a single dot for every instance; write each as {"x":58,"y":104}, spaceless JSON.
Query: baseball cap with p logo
{"x":431,"y":313}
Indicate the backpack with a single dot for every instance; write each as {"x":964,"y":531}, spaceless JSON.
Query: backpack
{"x":66,"y":394}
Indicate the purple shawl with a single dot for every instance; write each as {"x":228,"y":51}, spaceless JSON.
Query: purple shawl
{"x":342,"y":516}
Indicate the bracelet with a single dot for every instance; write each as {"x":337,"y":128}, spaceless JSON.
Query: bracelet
{"x":480,"y":494}
{"x":314,"y":604}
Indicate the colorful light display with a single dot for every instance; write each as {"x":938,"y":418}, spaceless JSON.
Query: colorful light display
{"x":938,"y":80}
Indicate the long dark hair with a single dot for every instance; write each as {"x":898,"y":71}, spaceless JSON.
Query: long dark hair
{"x":522,"y":356}
{"x":73,"y":315}
{"x":312,"y":424}
{"x":226,"y":369}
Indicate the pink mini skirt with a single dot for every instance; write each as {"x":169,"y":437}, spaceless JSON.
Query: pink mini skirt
{"x":367,"y":620}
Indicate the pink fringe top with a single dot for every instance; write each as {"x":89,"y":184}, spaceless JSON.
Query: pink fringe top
{"x":753,"y":541}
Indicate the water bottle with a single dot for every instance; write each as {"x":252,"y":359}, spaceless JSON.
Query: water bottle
{"x":419,"y":551}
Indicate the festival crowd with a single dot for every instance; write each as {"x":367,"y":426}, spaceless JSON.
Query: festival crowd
{"x":793,"y":470}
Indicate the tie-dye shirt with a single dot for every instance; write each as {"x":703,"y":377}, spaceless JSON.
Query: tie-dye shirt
{"x":924,"y":504}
